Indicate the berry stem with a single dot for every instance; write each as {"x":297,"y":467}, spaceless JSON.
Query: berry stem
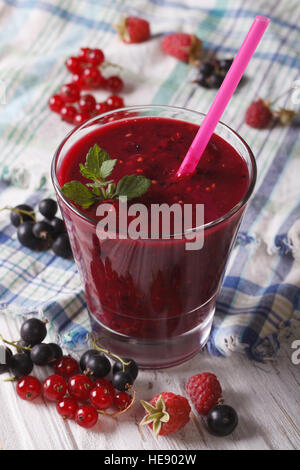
{"x":109,"y":353}
{"x":107,"y":64}
{"x":114,"y":415}
{"x":15,"y":344}
{"x":19,"y":211}
{"x":271,"y":103}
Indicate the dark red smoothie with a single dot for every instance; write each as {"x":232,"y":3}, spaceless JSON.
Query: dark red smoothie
{"x":155,"y":147}
{"x":156,"y":289}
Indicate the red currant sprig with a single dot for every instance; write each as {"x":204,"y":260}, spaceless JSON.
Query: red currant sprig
{"x":70,"y":104}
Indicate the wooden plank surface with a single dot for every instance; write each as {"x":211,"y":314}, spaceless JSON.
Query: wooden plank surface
{"x":266,"y":397}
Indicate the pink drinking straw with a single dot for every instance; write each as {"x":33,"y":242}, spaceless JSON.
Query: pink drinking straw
{"x":224,"y":94}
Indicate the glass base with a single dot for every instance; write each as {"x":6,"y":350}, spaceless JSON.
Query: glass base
{"x":154,"y":354}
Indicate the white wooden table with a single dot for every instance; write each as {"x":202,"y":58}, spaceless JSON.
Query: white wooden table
{"x":266,"y":397}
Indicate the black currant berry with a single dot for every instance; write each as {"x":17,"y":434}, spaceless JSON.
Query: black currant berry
{"x":97,"y":366}
{"x":58,"y":226}
{"x":202,"y":81}
{"x":122,"y":380}
{"x":224,"y":64}
{"x":57,"y":352}
{"x":33,"y":331}
{"x":20,"y":365}
{"x":132,"y":369}
{"x":26,"y":236}
{"x":62,"y":247}
{"x":48,"y":208}
{"x":17,"y":217}
{"x":206,"y":69}
{"x":42,"y":230}
{"x":5,"y":355}
{"x":216,"y":80}
{"x":222,"y":420}
{"x":41,"y":354}
{"x":85,"y":356}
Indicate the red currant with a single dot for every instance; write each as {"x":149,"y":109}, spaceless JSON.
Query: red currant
{"x":54,"y":387}
{"x":94,"y":57}
{"x":87,"y":103}
{"x":105,"y":383}
{"x":101,"y":108}
{"x":67,"y":408}
{"x":115,"y":101}
{"x":83,"y":54}
{"x":74,"y":65}
{"x":101,"y":398}
{"x":68,"y":113}
{"x":56,"y":103}
{"x":77,"y":79}
{"x":92,"y":78}
{"x":70,"y":93}
{"x":29,"y":388}
{"x":66,"y":366}
{"x":122,"y":400}
{"x":114,"y":84}
{"x":79,"y":387}
{"x":80,"y":118}
{"x":86,"y":416}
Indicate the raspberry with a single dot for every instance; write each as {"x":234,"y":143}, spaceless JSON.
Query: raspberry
{"x":204,"y":391}
{"x":258,"y":115}
{"x":166,"y":413}
{"x":185,"y":47}
{"x":134,"y":29}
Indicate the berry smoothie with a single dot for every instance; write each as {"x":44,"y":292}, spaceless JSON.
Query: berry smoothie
{"x":146,"y":290}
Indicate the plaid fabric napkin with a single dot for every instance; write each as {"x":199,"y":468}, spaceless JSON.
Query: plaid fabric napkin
{"x":259,"y":302}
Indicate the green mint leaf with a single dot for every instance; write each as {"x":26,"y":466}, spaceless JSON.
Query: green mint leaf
{"x":106,"y":168}
{"x":79,"y":194}
{"x":94,"y":160}
{"x":87,"y":173}
{"x":132,"y":186}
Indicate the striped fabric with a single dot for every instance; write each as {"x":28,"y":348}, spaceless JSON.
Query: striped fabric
{"x":259,"y":302}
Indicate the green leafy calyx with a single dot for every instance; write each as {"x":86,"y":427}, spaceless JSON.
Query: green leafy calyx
{"x":157,"y":415}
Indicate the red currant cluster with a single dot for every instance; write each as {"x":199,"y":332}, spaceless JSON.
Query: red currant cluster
{"x":86,"y":75}
{"x":81,"y":389}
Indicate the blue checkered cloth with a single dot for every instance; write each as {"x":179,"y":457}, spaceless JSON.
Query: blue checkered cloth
{"x":259,"y":303}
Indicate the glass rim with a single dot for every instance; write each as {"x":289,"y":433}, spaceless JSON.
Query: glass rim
{"x":223,"y":218}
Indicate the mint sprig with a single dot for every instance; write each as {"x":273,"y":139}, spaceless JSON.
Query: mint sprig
{"x":98,"y":167}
